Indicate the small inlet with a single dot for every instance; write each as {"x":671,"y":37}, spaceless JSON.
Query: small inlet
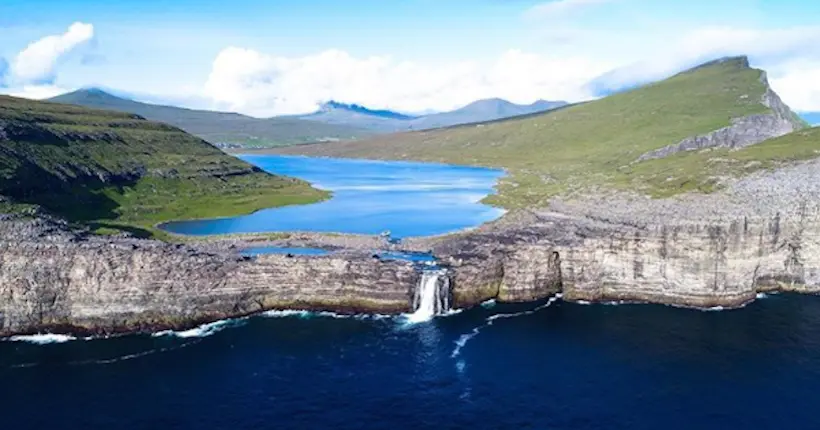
{"x":432,"y":296}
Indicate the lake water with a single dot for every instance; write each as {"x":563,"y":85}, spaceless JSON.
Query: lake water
{"x":562,"y":366}
{"x":369,"y":197}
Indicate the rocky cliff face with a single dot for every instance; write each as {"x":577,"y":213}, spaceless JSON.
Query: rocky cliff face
{"x":745,"y":131}
{"x":52,"y":278}
{"x":762,"y":234}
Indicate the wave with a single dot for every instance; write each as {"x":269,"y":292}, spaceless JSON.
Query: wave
{"x":204,"y":330}
{"x":461,"y":342}
{"x":43,"y":339}
{"x":489,"y":304}
{"x":305,"y":314}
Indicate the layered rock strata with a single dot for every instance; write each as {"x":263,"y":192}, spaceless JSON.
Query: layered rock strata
{"x":762,"y":234}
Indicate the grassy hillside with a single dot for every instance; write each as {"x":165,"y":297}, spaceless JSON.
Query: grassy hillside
{"x":115,"y":169}
{"x":219,"y":127}
{"x":592,"y":144}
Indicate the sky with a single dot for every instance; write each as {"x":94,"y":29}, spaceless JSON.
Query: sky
{"x":275,"y":57}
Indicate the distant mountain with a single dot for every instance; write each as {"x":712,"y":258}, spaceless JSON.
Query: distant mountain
{"x":389,"y":121}
{"x":813,"y":118}
{"x":333,"y":121}
{"x":359,"y":116}
{"x":334,"y":106}
{"x":483,"y":110}
{"x":221,"y":128}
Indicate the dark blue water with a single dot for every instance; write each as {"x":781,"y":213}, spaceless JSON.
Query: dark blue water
{"x":565,"y":366}
{"x":369,"y":197}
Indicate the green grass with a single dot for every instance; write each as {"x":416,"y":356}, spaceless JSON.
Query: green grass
{"x":117,"y":172}
{"x":703,"y":171}
{"x":590,"y":145}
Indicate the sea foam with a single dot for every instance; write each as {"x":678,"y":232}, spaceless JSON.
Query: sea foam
{"x":204,"y":330}
{"x":43,"y":339}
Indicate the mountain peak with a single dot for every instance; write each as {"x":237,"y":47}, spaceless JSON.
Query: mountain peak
{"x":90,"y":93}
{"x":739,"y":61}
{"x":333,"y":105}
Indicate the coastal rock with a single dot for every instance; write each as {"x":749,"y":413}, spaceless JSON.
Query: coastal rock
{"x":52,"y":278}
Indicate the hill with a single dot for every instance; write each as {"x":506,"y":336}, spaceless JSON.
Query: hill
{"x":649,"y":140}
{"x":118,"y":170}
{"x":385,"y":121}
{"x":220,"y":128}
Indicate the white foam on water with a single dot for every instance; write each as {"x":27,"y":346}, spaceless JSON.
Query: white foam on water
{"x":461,"y":342}
{"x":286,"y":314}
{"x":43,"y":339}
{"x":204,"y":330}
{"x":305,"y":314}
{"x":761,"y":296}
{"x":136,"y":354}
{"x":488,"y":304}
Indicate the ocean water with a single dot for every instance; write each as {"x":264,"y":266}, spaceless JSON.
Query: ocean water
{"x":369,"y":197}
{"x":549,"y":365}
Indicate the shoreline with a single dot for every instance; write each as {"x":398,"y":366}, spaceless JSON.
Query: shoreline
{"x":205,"y":325}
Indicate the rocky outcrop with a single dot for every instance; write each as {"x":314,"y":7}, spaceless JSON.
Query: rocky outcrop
{"x":745,"y":131}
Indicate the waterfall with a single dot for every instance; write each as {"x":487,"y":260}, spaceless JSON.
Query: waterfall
{"x":432,"y":296}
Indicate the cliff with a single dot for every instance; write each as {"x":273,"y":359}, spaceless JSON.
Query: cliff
{"x":54,"y":278}
{"x":761,"y":234}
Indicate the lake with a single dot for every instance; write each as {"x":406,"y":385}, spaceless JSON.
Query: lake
{"x":539,"y":366}
{"x":369,"y":197}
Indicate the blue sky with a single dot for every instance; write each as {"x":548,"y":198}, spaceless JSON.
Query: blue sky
{"x":277,"y":57}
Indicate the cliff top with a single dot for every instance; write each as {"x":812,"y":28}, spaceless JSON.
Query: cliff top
{"x":118,"y":170}
{"x":596,"y":145}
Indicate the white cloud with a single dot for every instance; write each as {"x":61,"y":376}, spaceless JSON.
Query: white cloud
{"x":789,"y":55}
{"x":36,"y":92}
{"x":558,"y":9}
{"x":799,"y":86}
{"x":37,"y":62}
{"x":251,"y":82}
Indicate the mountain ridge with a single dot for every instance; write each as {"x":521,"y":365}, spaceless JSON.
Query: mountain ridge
{"x":221,"y":128}
{"x":388,"y":121}
{"x":333,"y":120}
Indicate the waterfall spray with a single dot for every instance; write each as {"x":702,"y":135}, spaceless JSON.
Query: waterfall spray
{"x":432,"y":296}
